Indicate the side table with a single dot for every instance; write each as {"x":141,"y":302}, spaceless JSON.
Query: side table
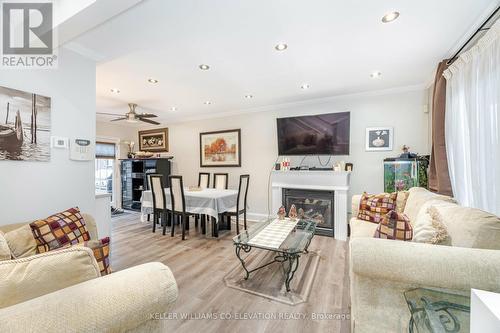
{"x":438,"y":311}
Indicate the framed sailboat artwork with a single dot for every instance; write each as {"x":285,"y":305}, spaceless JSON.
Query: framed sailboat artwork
{"x":24,"y":126}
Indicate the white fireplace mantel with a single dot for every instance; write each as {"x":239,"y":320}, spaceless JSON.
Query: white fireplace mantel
{"x":337,"y":181}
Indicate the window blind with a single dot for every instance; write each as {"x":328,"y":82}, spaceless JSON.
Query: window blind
{"x":105,"y":150}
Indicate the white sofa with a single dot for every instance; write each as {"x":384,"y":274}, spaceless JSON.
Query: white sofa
{"x":63,"y":291}
{"x":381,"y":270}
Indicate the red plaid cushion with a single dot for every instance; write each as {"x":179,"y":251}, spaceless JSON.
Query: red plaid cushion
{"x":394,"y":225}
{"x":101,"y":253}
{"x":373,"y":207}
{"x":60,"y":229}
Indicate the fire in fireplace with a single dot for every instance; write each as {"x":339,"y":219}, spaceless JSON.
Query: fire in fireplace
{"x":317,"y":205}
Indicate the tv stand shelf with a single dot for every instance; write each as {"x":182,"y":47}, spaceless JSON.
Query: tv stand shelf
{"x":134,"y":178}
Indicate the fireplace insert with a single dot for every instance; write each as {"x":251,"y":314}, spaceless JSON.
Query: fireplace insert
{"x":317,"y":205}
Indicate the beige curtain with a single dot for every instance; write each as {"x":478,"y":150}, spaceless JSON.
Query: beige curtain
{"x":439,"y":178}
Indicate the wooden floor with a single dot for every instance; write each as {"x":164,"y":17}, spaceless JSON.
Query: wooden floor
{"x":199,"y":265}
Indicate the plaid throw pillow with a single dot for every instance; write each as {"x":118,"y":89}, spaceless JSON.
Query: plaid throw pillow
{"x":58,"y":230}
{"x":101,"y":253}
{"x":394,"y":225}
{"x":373,"y":207}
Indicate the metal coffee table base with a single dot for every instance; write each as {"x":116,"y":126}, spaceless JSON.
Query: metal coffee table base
{"x":289,"y":263}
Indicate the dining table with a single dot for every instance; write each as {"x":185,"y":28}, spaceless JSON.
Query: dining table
{"x":207,"y":201}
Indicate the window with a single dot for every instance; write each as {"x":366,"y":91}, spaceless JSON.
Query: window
{"x":104,"y":167}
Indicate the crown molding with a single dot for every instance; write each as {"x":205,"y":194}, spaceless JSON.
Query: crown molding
{"x":306,"y":102}
{"x":465,"y":36}
{"x":275,"y":107}
{"x":84,"y":51}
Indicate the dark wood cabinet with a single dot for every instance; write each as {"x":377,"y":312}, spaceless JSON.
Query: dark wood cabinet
{"x":134,"y":178}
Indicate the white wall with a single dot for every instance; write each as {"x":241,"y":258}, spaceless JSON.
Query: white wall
{"x":30,"y":190}
{"x":403,"y":111}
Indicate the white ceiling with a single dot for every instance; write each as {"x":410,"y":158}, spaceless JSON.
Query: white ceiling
{"x":333,"y":45}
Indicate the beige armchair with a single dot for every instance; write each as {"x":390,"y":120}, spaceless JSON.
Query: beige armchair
{"x":64,"y":289}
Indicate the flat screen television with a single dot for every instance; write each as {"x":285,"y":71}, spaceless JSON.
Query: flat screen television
{"x":323,"y":134}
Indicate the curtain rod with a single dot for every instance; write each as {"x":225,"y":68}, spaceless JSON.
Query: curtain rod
{"x":481,"y":28}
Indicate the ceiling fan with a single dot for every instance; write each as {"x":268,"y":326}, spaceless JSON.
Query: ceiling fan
{"x":133,"y":117}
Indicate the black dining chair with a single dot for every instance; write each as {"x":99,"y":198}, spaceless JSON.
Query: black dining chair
{"x":178,"y":202}
{"x":221,"y":181}
{"x":241,"y":203}
{"x":204,"y":180}
{"x":159,"y":201}
{"x":149,"y":188}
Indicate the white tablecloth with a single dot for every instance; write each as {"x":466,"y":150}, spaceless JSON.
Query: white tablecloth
{"x":208,"y":201}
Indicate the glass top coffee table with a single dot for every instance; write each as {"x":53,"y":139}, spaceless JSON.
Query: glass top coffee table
{"x":287,"y":238}
{"x":438,"y":310}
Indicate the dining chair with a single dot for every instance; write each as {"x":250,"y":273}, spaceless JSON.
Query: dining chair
{"x":204,"y":180}
{"x":149,"y":188}
{"x":178,"y":201}
{"x":159,"y":201}
{"x":221,"y":181}
{"x":241,"y":203}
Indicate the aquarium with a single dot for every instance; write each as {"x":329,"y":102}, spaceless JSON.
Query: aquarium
{"x":400,"y":175}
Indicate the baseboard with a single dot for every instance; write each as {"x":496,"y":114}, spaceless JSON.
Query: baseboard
{"x":256,"y":217}
{"x":253,"y":217}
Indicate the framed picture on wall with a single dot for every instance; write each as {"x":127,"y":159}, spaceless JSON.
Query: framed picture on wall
{"x":25,"y":126}
{"x":220,"y":149}
{"x":379,"y":138}
{"x":155,"y":140}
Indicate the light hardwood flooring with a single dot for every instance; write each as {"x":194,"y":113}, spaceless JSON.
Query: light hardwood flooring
{"x":199,"y":265}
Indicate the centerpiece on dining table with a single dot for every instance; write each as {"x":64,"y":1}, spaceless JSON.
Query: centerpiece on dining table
{"x":195,"y":188}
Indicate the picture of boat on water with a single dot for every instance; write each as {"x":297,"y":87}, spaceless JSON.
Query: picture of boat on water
{"x":24,"y":126}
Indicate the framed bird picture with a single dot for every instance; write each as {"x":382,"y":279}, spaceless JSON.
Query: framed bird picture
{"x":155,"y":140}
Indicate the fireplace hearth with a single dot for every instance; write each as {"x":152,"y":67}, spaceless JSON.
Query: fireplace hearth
{"x":317,"y":205}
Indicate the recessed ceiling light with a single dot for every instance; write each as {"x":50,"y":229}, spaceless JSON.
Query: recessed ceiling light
{"x":248,"y":96}
{"x":173,"y":108}
{"x":281,"y":47}
{"x":152,"y":80}
{"x":375,"y":75}
{"x":115,"y":91}
{"x":208,"y":102}
{"x":389,"y":17}
{"x":204,"y":67}
{"x":305,"y":86}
